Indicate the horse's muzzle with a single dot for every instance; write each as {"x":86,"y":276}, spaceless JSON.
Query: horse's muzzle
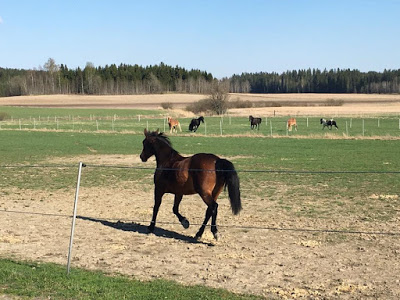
{"x":143,"y":158}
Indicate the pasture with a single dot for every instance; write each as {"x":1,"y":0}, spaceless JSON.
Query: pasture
{"x":133,"y":121}
{"x":320,"y":208}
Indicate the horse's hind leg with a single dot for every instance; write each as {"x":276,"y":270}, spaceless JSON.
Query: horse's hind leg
{"x":214,"y":228}
{"x":209,"y":212}
{"x":182,"y":219}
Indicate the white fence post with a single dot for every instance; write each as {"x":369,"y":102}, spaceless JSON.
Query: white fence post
{"x":270,"y":123}
{"x":164,"y":124}
{"x":363,"y":127}
{"x":74,"y":215}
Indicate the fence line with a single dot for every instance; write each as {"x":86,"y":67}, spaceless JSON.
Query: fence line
{"x":202,"y":170}
{"x":136,"y":222}
{"x":108,"y":124}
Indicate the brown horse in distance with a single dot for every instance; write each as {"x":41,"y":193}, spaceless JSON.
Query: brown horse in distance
{"x":291,"y":123}
{"x":203,"y":173}
{"x":173,"y":125}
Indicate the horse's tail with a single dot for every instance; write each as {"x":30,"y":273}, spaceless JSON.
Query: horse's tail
{"x":226,"y":169}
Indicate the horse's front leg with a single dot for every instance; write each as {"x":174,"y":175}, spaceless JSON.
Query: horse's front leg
{"x":182,"y":219}
{"x":157,"y":202}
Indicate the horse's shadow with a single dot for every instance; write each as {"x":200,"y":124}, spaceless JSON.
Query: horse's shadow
{"x":142,"y":229}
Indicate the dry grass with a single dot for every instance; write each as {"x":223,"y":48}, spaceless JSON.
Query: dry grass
{"x":290,"y":104}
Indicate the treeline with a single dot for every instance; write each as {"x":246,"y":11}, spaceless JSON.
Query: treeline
{"x":111,"y":79}
{"x":317,"y":81}
{"x":134,"y":79}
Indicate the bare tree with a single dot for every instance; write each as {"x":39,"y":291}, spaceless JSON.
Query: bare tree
{"x":219,"y":97}
{"x":52,"y":69}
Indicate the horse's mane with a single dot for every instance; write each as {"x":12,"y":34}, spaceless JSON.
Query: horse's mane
{"x":161,"y":136}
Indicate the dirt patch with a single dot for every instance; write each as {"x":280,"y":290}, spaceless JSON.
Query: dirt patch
{"x":111,"y":159}
{"x":260,"y":251}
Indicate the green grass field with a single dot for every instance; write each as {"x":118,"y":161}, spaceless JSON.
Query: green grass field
{"x":309,"y":177}
{"x":32,"y":280}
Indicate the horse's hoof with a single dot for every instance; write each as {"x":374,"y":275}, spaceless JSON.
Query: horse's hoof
{"x":197,"y":237}
{"x":185,"y":223}
{"x":216,"y":236}
{"x":150,"y":229}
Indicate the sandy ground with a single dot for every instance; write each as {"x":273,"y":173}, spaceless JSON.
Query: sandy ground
{"x":252,"y":256}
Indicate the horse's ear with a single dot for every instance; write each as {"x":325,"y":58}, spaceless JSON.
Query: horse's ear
{"x":158,"y":130}
{"x":146,"y":133}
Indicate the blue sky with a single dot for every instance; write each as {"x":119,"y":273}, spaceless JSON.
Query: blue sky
{"x":223,"y":37}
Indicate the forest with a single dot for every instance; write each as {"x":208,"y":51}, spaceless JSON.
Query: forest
{"x":134,"y":79}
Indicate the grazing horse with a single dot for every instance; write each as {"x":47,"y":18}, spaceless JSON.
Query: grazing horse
{"x":291,"y":123}
{"x":195,"y":123}
{"x":203,"y":173}
{"x":173,"y":124}
{"x":254,"y":122}
{"x":328,"y":123}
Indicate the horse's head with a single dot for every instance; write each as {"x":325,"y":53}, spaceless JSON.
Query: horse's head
{"x":250,"y":118}
{"x":155,"y":142}
{"x":148,"y":145}
{"x":201,"y":119}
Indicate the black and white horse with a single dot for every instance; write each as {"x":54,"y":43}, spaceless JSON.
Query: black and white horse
{"x":328,"y":123}
{"x":195,"y":123}
{"x":254,"y":122}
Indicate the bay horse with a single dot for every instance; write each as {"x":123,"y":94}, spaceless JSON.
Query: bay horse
{"x":254,"y":122}
{"x":195,"y":123}
{"x":173,"y":125}
{"x":328,"y":123}
{"x":291,"y":123}
{"x":203,"y":173}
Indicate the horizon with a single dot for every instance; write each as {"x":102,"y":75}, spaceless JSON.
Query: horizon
{"x":224,"y":38}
